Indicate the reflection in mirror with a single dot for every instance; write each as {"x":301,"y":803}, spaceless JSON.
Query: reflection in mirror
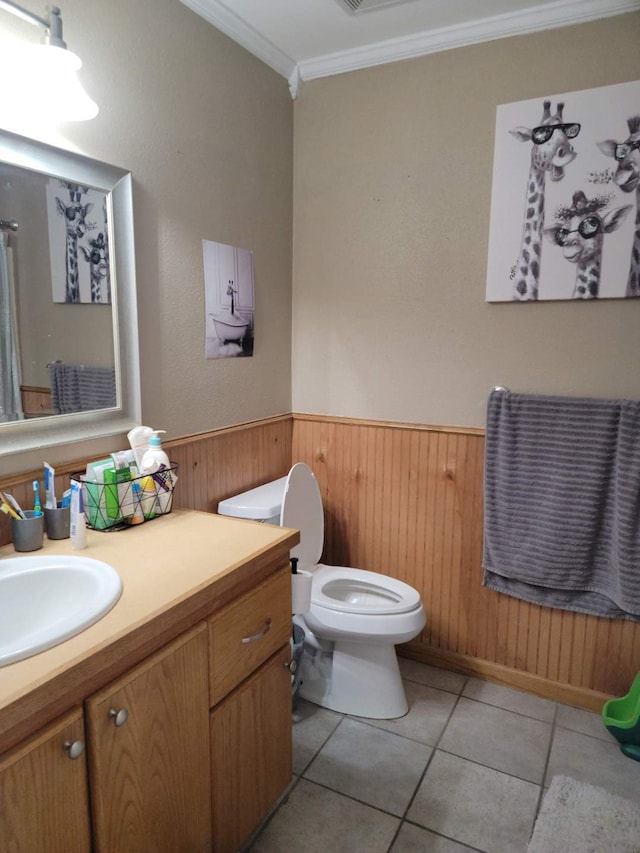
{"x":68,"y":319}
{"x":55,"y":280}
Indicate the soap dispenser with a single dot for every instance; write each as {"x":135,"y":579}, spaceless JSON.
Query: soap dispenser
{"x":155,"y":458}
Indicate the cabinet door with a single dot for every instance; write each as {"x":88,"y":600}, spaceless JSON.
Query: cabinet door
{"x":44,"y":803}
{"x":149,"y":757}
{"x":250,"y":752}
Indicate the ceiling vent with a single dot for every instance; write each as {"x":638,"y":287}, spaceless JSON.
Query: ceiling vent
{"x":356,"y":7}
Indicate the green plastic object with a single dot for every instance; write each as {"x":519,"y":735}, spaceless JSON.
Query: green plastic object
{"x":622,"y":719}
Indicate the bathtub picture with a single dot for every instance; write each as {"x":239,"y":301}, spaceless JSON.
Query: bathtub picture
{"x":229,"y":300}
{"x":564,"y":197}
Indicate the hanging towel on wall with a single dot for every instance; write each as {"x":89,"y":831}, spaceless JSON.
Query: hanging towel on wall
{"x":562,"y":502}
{"x":76,"y":388}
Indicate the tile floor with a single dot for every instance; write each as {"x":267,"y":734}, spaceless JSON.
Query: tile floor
{"x":464,"y":770}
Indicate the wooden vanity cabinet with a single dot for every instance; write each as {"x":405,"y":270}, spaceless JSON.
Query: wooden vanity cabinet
{"x":251,"y":753}
{"x":148,"y":744}
{"x":44,"y":801}
{"x":186,"y":752}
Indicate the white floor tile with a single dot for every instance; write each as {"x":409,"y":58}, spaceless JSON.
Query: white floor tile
{"x":312,"y":725}
{"x":510,"y":699}
{"x":583,"y":721}
{"x":316,"y":820}
{"x":475,"y":805}
{"x":429,"y":712}
{"x":432,"y":676}
{"x":414,"y":839}
{"x":500,"y":739}
{"x":377,"y":767}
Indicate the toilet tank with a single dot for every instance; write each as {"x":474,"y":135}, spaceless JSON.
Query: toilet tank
{"x":260,"y":504}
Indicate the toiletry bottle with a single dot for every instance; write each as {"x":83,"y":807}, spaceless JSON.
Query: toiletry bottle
{"x":155,"y":458}
{"x":139,"y":441}
{"x":78,"y":522}
{"x":138,"y":515}
{"x":149,"y":497}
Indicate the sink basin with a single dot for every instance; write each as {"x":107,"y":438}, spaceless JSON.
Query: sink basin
{"x":45,"y":600}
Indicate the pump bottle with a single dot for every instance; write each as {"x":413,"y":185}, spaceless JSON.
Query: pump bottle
{"x":155,"y":458}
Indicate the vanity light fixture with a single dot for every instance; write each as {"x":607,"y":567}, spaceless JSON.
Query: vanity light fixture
{"x":40,"y":81}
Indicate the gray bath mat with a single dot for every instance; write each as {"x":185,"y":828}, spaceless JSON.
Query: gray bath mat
{"x":582,"y":818}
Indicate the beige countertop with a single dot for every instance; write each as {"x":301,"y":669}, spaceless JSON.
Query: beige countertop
{"x":175,"y":570}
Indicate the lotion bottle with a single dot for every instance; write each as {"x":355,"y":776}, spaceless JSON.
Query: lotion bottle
{"x":139,"y":441}
{"x":155,"y":458}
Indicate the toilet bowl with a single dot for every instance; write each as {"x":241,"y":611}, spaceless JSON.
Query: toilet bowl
{"x":356,"y":617}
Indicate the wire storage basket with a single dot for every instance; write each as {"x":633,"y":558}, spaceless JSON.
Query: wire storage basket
{"x":121,"y":504}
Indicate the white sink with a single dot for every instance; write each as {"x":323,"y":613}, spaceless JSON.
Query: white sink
{"x":44,"y":600}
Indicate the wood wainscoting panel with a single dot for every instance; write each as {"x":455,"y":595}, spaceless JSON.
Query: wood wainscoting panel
{"x":211,"y":466}
{"x":222,"y":463}
{"x":407,"y":500}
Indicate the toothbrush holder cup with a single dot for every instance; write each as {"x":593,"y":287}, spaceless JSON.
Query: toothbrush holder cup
{"x":28,"y":532}
{"x":58,"y":521}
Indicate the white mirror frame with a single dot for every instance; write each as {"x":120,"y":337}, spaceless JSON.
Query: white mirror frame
{"x":39,"y":433}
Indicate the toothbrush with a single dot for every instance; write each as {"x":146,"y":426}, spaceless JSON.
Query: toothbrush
{"x":9,"y":510}
{"x":12,"y":502}
{"x":37,"y":508}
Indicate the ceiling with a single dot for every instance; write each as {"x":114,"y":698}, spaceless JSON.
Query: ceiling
{"x":305,"y":39}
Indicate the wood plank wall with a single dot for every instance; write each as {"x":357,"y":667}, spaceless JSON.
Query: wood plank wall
{"x":211,"y":466}
{"x":406,"y":500}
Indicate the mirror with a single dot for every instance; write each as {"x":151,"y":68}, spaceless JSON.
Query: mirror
{"x":67,"y":269}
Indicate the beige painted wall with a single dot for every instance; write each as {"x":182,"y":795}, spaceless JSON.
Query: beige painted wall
{"x":206,"y":130}
{"x":392,"y":191}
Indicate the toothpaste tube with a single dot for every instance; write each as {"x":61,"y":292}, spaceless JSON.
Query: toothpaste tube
{"x":50,"y":486}
{"x":78,"y":523}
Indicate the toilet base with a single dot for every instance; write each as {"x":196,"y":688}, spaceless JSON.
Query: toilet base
{"x":354,"y":678}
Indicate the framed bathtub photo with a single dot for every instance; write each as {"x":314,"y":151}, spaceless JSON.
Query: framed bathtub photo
{"x":564,"y":199}
{"x":229,"y":300}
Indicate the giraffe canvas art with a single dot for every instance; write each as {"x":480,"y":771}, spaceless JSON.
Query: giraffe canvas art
{"x":548,"y":150}
{"x":78,"y":243}
{"x":580,"y":231}
{"x":627,"y":177}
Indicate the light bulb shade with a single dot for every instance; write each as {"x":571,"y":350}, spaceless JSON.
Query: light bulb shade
{"x":41,"y":83}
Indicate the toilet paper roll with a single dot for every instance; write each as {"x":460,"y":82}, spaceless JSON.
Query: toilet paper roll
{"x":300,"y":592}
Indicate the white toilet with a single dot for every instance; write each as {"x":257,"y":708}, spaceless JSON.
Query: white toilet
{"x":356,"y":617}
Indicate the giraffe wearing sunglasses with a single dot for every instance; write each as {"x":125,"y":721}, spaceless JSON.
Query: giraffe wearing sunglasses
{"x":627,"y":177}
{"x":551,"y":153}
{"x":580,"y":230}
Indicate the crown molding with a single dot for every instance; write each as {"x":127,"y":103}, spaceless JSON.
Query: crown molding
{"x":245,"y":35}
{"x":561,"y":14}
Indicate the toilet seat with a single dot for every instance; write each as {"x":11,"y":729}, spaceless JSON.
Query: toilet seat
{"x":349,"y":590}
{"x":338,"y":588}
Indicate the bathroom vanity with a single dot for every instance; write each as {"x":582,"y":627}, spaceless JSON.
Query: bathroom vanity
{"x":165,"y":726}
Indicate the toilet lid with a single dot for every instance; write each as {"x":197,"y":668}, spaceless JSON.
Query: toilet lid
{"x":302,"y":509}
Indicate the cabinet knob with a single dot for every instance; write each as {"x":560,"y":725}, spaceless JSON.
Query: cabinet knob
{"x":254,"y":637}
{"x":74,"y":750}
{"x":119,"y":717}
{"x":292,"y":666}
